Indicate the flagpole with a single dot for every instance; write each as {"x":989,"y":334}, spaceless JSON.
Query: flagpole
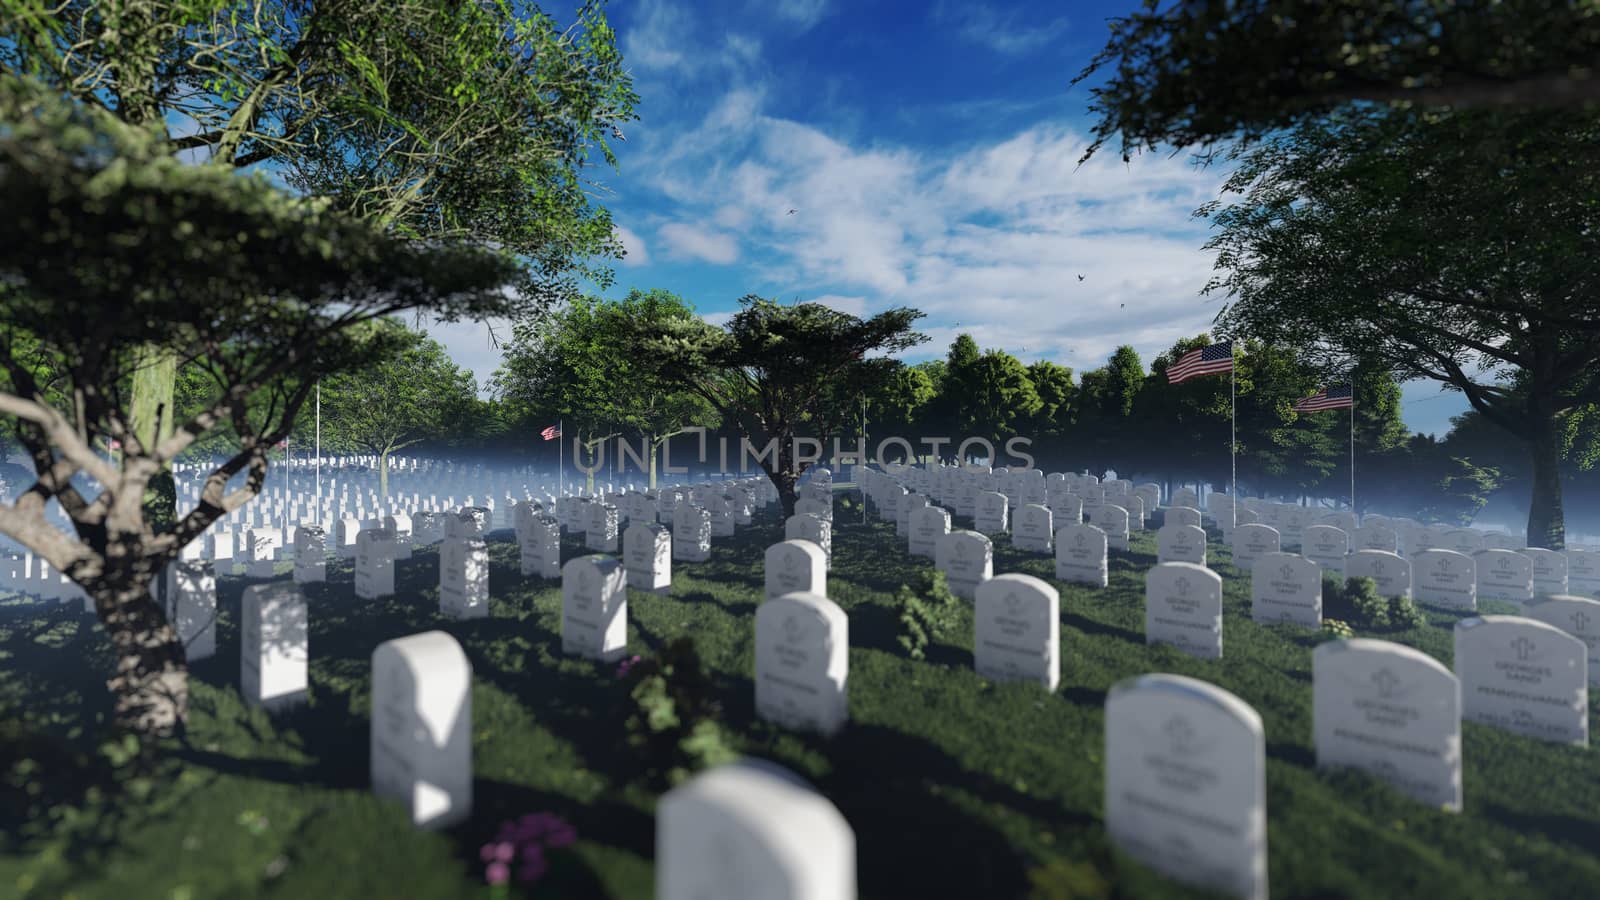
{"x":1233,"y":450}
{"x":561,"y":466}
{"x":1353,"y":450}
{"x":318,"y":518}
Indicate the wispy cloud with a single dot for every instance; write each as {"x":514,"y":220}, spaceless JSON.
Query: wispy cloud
{"x":804,"y":14}
{"x":637,"y":254}
{"x":1007,"y":33}
{"x":695,"y":242}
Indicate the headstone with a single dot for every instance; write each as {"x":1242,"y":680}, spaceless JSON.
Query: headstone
{"x":273,"y":646}
{"x":647,"y":556}
{"x":1017,"y":630}
{"x":802,"y":661}
{"x":1373,"y":536}
{"x":421,"y":743}
{"x":1186,"y":497}
{"x":1185,"y":783}
{"x":1327,"y":546}
{"x":1583,"y":573}
{"x":374,"y":575}
{"x":1183,"y":607}
{"x":464,"y":578}
{"x":1392,"y":711}
{"x":1523,"y":676}
{"x":1113,"y":520}
{"x":192,"y":607}
{"x":594,"y":608}
{"x":1286,"y":588}
{"x":345,"y":536}
{"x":752,"y":831}
{"x":1081,"y":555}
{"x":1251,"y":542}
{"x":310,"y":555}
{"x":1461,"y":540}
{"x":1444,"y":578}
{"x":1182,"y":515}
{"x":989,"y":513}
{"x":1549,"y":571}
{"x":1577,"y":616}
{"x":1030,"y":530}
{"x":1181,"y":543}
{"x":967,"y":560}
{"x":810,"y":528}
{"x":1389,"y":571}
{"x":1504,"y":575}
{"x":600,"y":529}
{"x":539,"y":547}
{"x":400,"y":525}
{"x":691,"y":534}
{"x":1066,"y":509}
{"x":929,"y":525}
{"x":795,"y":567}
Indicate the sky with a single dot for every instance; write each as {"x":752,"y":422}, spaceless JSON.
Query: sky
{"x":930,"y":152}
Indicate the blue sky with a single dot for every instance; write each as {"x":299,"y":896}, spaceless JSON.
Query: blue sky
{"x":930,"y":152}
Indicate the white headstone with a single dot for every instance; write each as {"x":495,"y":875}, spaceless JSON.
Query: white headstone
{"x":1181,"y":543}
{"x":539,"y":547}
{"x":795,"y":566}
{"x":1327,"y":546}
{"x":464,"y":578}
{"x":647,"y":556}
{"x":1374,"y":537}
{"x":1392,"y":711}
{"x":802,"y":661}
{"x":1186,"y":789}
{"x":1081,"y":555}
{"x":751,"y":831}
{"x":1523,"y":676}
{"x":1286,"y":588}
{"x":929,"y":525}
{"x":1390,"y":571}
{"x":1251,"y":542}
{"x":1030,"y":529}
{"x":421,"y":744}
{"x":967,"y":560}
{"x":691,"y":534}
{"x":192,"y":607}
{"x":594,"y":608}
{"x":1549,"y":571}
{"x":808,"y":527}
{"x":1583,"y":573}
{"x":1577,"y":616}
{"x":310,"y":555}
{"x":374,"y":575}
{"x":1017,"y":630}
{"x":273,"y":646}
{"x":1444,"y":578}
{"x":1183,"y":607}
{"x":1113,"y":520}
{"x":1182,"y":515}
{"x":1504,"y":575}
{"x":990,"y":512}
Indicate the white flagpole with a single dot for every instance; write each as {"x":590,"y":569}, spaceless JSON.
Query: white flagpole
{"x":318,"y":517}
{"x":561,"y":469}
{"x":1233,"y":449}
{"x":1353,"y":450}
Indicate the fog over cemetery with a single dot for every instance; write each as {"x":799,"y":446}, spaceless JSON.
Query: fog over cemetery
{"x":769,"y":593}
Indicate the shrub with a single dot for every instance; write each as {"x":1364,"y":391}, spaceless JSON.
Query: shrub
{"x":926,"y":613}
{"x":674,"y":721}
{"x":1357,"y":604}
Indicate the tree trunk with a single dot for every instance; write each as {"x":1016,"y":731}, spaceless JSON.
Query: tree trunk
{"x":150,"y":417}
{"x":383,"y":475}
{"x":151,"y":685}
{"x":1546,"y":523}
{"x":783,"y":475}
{"x":653,"y":446}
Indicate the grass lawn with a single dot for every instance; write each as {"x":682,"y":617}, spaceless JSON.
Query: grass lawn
{"x":956,"y":788}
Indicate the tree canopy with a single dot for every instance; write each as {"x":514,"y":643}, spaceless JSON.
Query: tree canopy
{"x":1190,"y":72}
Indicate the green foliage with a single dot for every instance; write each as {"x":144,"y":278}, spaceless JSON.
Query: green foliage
{"x":1357,"y":604}
{"x":1198,"y":73}
{"x":928,"y":613}
{"x":674,"y":721}
{"x":1062,"y":879}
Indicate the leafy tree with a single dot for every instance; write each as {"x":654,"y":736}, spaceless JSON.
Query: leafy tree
{"x":1004,"y":397}
{"x":767,"y":371}
{"x":1105,"y":429}
{"x":1048,"y":426}
{"x":111,"y":246}
{"x":413,"y":395}
{"x":1193,"y":417}
{"x":1456,"y":247}
{"x":469,"y":121}
{"x":583,"y":364}
{"x":1189,"y":73}
{"x":955,"y":413}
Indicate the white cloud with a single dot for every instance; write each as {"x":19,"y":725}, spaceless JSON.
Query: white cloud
{"x":633,"y":245}
{"x":992,"y":237}
{"x":801,"y":13}
{"x":854,"y":306}
{"x":699,"y":243}
{"x":718,"y":319}
{"x":1004,"y":33}
{"x":469,"y":345}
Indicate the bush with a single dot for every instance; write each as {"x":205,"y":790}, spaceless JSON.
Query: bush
{"x":1357,"y":604}
{"x":927,"y":613}
{"x":675,"y":720}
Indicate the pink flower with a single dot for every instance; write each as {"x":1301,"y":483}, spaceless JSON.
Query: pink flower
{"x":498,"y":873}
{"x":627,"y":664}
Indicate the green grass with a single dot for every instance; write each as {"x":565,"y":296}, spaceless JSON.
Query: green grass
{"x":955,"y":787}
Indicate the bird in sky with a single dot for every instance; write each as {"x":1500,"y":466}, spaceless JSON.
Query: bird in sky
{"x":1122,"y":306}
{"x":617,"y":133}
{"x":1080,"y":277}
{"x":791,"y":212}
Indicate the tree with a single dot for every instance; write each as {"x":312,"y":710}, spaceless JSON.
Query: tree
{"x":582,"y":364}
{"x":412,"y":395}
{"x":1201,"y":72}
{"x":1456,"y":247}
{"x":461,"y":121}
{"x":1193,"y":417}
{"x":1004,"y":397}
{"x":767,"y":372}
{"x":1104,"y":427}
{"x":109,"y":247}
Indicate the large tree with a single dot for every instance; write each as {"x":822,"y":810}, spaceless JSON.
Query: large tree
{"x":452,"y":120}
{"x":1188,"y":73}
{"x":769,"y":370}
{"x":1458,"y":247}
{"x":412,"y":395}
{"x":109,"y":247}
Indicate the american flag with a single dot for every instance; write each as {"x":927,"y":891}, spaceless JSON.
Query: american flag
{"x":1327,"y":398}
{"x":551,"y":433}
{"x":1205,"y":361}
